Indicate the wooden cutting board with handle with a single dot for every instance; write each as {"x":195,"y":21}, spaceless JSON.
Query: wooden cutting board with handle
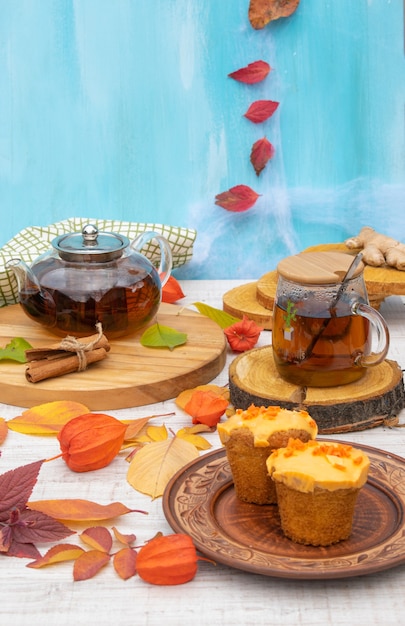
{"x":131,"y":375}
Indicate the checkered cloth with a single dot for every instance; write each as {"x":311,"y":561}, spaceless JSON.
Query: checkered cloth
{"x":29,"y":243}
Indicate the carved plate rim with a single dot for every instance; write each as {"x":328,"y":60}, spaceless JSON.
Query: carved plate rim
{"x":192,"y":505}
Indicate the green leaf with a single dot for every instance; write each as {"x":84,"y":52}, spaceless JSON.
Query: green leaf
{"x":158,"y":336}
{"x":15,"y":350}
{"x":222,"y":318}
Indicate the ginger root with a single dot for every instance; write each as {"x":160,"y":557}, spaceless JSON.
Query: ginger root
{"x":378,"y":249}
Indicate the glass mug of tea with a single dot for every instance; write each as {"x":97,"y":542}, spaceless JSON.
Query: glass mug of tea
{"x":324,"y":330}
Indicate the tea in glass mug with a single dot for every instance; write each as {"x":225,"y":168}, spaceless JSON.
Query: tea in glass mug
{"x":324,"y":329}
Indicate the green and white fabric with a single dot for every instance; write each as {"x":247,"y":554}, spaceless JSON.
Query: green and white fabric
{"x":29,"y":243}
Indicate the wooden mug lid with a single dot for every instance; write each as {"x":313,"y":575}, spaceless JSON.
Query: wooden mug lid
{"x":319,"y":268}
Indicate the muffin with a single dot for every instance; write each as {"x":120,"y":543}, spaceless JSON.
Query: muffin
{"x":317,"y":485}
{"x":249,"y":438}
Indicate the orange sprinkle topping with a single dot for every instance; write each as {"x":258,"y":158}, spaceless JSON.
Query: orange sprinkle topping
{"x":266,"y":412}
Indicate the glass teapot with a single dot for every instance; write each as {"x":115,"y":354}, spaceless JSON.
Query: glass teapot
{"x":92,"y":277}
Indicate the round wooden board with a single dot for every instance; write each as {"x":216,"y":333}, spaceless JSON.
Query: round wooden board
{"x":375,"y":399}
{"x":130,"y":376}
{"x":242,"y":301}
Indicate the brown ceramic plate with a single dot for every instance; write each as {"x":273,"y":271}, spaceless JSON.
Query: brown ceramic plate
{"x":200,"y":501}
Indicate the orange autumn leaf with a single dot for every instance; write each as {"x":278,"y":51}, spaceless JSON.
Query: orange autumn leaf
{"x":98,"y":538}
{"x":78,"y":510}
{"x":48,"y":418}
{"x":57,"y":554}
{"x":206,"y":407}
{"x":125,"y":539}
{"x":3,"y":429}
{"x":89,"y":564}
{"x":185,"y":396}
{"x":168,"y":560}
{"x":91,"y":441}
{"x":261,"y":12}
{"x":134,"y":427}
{"x":124,"y":562}
{"x":171,"y":291}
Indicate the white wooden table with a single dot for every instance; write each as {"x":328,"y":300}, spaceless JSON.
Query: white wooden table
{"x":217,"y":595}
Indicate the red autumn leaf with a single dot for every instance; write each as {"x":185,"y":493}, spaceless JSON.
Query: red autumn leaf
{"x":243,"y":335}
{"x":168,"y":560}
{"x":171,"y":291}
{"x":262,"y":152}
{"x":16,"y":487}
{"x":125,"y":563}
{"x":261,"y":110}
{"x":23,"y":550}
{"x":89,"y":564}
{"x":33,"y":526}
{"x":252,"y":73}
{"x":237,"y":199}
{"x":19,"y":526}
{"x":98,"y":538}
{"x":206,"y":407}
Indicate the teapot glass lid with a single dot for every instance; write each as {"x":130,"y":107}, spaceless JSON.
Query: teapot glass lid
{"x":90,"y":245}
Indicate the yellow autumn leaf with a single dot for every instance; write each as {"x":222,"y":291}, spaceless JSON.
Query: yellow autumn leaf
{"x":58,"y":554}
{"x":154,"y":465}
{"x":157,"y":433}
{"x":184,"y":397}
{"x":197,"y":441}
{"x":47,"y":418}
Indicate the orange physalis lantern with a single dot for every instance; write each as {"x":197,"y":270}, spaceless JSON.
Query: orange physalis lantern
{"x":206,"y":407}
{"x":243,"y":335}
{"x":167,"y":560}
{"x":91,"y":441}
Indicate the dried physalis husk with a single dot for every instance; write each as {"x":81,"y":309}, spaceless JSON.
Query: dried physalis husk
{"x":167,"y":560}
{"x":91,"y":441}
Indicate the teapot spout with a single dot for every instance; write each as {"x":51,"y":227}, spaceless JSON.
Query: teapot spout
{"x":36,"y":302}
{"x":25,"y":277}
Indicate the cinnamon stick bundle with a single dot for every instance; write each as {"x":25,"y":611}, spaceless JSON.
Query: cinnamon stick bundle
{"x":69,"y":355}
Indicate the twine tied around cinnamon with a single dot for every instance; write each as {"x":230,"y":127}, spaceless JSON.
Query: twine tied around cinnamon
{"x":71,"y":344}
{"x":70,"y":355}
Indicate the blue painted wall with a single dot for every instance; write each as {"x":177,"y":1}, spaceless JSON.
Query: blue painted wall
{"x":123,"y":109}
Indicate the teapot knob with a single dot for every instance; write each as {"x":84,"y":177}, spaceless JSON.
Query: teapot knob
{"x":89,"y":233}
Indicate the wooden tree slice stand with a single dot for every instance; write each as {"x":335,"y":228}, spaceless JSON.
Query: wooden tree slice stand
{"x":242,"y":301}
{"x":374,"y":400}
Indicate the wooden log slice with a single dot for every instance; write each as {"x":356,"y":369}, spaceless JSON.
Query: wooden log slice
{"x":266,"y":289}
{"x":375,"y":399}
{"x":242,"y":301}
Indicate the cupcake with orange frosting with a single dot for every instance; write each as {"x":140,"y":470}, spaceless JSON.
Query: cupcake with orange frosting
{"x":250,"y":436}
{"x":317,"y":485}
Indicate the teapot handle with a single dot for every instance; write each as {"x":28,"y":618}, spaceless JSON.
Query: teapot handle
{"x":166,"y":260}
